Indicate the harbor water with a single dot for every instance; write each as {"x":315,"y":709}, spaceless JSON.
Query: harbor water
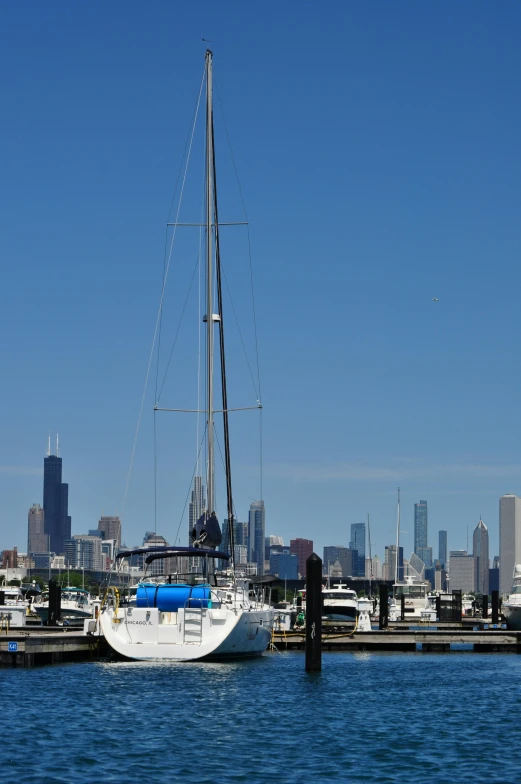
{"x":365,"y":718}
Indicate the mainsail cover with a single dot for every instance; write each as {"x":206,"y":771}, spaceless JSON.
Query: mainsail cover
{"x":207,"y":531}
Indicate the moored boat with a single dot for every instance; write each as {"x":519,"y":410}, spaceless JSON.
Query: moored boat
{"x":511,"y":608}
{"x":197,"y":615}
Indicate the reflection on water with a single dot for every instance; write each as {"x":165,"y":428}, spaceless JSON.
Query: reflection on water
{"x":365,"y":718}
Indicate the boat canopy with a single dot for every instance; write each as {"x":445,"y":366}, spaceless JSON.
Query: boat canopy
{"x":168,"y":551}
{"x":266,"y":579}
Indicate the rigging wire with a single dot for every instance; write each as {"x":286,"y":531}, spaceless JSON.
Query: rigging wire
{"x":189,"y":489}
{"x":160,"y":310}
{"x":158,"y":396}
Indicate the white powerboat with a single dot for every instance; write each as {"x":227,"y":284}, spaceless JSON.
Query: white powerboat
{"x":511,"y":608}
{"x":13,"y":607}
{"x":75,"y":603}
{"x":339,"y":603}
{"x":196,"y":618}
{"x":413,"y":592}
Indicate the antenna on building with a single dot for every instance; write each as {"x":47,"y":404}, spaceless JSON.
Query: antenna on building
{"x":49,"y":444}
{"x":57,"y":445}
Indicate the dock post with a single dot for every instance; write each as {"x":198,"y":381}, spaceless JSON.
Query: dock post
{"x":438,"y":607}
{"x":495,"y":606}
{"x":313,"y":613}
{"x":2,"y":597}
{"x":485,"y":606}
{"x":55,"y":603}
{"x":402,"y":607}
{"x":383,"y":616}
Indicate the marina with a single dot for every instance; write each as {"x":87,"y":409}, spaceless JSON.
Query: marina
{"x":38,"y":646}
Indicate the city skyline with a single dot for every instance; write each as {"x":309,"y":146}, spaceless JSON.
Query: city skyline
{"x":197,"y":499}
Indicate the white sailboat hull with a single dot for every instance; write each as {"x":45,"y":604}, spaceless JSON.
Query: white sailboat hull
{"x":187,"y":635}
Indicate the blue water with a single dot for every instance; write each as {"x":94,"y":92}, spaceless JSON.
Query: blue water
{"x":365,"y":718}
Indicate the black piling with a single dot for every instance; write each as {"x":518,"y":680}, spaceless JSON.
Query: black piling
{"x":55,"y":603}
{"x":2,"y":597}
{"x":383,"y":616}
{"x":438,"y":607}
{"x":485,"y":606}
{"x":402,"y":607}
{"x":313,"y":613}
{"x":495,"y":606}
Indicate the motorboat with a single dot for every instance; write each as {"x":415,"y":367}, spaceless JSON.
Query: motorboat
{"x":339,"y":603}
{"x":511,"y":608}
{"x":76,"y":603}
{"x":13,"y":607}
{"x":413,"y":593}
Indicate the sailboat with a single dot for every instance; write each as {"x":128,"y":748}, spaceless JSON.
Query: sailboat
{"x":411,"y":591}
{"x":200,"y":618}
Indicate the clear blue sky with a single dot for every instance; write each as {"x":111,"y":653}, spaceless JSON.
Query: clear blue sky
{"x":378,"y":148}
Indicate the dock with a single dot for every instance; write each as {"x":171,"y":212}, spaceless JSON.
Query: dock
{"x":428,"y":640}
{"x":35,"y":646}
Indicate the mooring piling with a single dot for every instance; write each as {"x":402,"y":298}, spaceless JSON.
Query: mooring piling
{"x":383,"y":616}
{"x":55,"y":603}
{"x":313,"y":613}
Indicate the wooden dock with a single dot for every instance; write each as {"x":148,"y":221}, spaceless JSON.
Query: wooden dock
{"x":426,"y":640}
{"x":47,"y":645}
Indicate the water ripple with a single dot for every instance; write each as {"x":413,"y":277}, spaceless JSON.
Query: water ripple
{"x":365,"y":718}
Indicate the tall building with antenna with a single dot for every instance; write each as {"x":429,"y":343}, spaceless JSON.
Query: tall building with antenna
{"x":196,"y":505}
{"x":57,"y":522}
{"x":357,"y":543}
{"x":480,"y":552}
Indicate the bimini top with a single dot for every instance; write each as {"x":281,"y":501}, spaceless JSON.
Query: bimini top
{"x":167,"y":551}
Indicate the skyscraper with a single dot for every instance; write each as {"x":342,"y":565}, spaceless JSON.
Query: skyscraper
{"x":37,"y":539}
{"x":442,"y":548}
{"x":84,"y":552}
{"x":240,"y":537}
{"x":345,"y":557}
{"x":480,"y":552}
{"x":358,"y":543}
{"x":196,"y":505}
{"x":462,"y":571}
{"x":256,"y":534}
{"x":389,"y":565}
{"x":425,"y":555}
{"x":420,"y":526}
{"x":57,"y":523}
{"x":509,"y":539}
{"x":110,"y":527}
{"x":302,"y":548}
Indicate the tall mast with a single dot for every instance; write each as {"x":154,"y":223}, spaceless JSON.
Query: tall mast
{"x":209,"y":283}
{"x":224,"y":391}
{"x":398,"y":538}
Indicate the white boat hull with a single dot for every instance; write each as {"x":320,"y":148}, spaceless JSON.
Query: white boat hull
{"x":187,"y":635}
{"x":512,"y":613}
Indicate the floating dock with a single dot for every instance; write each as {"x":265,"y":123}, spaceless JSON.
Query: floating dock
{"x":427,"y":640}
{"x":48,"y":645}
